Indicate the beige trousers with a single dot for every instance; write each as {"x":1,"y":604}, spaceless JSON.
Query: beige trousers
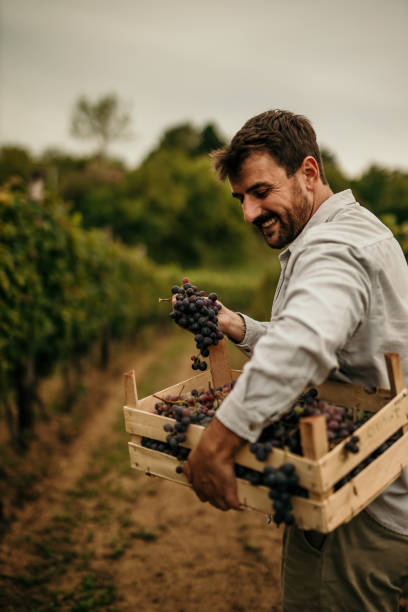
{"x":359,"y":567}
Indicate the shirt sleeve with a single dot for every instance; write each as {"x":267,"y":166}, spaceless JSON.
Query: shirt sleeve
{"x":326,"y":300}
{"x":253,"y":331}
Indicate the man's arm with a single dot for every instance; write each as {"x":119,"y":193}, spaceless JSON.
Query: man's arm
{"x":241,"y":329}
{"x":327,"y":300}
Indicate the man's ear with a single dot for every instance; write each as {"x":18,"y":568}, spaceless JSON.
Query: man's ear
{"x":310,"y":171}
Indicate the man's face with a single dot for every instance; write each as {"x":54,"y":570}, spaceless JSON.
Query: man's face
{"x":277,"y":205}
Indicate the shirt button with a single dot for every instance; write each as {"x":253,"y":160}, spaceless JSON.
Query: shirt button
{"x":252,"y":426}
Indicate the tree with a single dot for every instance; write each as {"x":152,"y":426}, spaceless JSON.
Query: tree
{"x":210,"y":139}
{"x":14,"y":161}
{"x":190,"y":140}
{"x":177,"y":208}
{"x":104,"y":121}
{"x":183,"y":137}
{"x":334,"y":174}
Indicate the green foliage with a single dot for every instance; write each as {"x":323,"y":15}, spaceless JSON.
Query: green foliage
{"x":383,"y":191}
{"x":182,"y":214}
{"x":60,"y":286}
{"x":400,"y":230}
{"x":187,"y":138}
{"x":14,"y":161}
{"x":244,"y":290}
{"x":96,"y":191}
{"x":172,"y":205}
{"x":210,"y":139}
{"x":183,"y":137}
{"x":334,"y":175}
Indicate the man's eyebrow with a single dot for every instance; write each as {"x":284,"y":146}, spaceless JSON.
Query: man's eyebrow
{"x":252,"y":188}
{"x":258,"y":185}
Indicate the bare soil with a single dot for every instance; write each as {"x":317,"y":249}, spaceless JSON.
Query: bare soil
{"x":94,"y":535}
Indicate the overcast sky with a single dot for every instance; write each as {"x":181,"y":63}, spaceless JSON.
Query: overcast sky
{"x":341,"y":63}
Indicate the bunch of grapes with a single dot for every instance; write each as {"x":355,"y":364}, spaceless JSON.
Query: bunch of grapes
{"x":339,"y":424}
{"x":285,"y":433}
{"x":164,"y":447}
{"x":197,"y":313}
{"x":196,"y":407}
{"x":282,"y":483}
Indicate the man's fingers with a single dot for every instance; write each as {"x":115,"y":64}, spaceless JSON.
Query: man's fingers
{"x":221,"y":499}
{"x":232,"y":500}
{"x":187,"y":471}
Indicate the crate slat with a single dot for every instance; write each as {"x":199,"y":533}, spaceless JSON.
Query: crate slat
{"x":372,"y":434}
{"x":353,"y":396}
{"x":347,"y":502}
{"x":219,"y":365}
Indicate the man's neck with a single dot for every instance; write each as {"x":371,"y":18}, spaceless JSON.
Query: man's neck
{"x":322,"y":194}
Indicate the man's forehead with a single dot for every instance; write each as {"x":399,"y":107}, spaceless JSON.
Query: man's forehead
{"x":258,"y":166}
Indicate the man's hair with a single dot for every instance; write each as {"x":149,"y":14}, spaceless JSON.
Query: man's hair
{"x":287,"y":137}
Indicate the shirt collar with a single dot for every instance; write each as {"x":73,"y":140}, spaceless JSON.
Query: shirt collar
{"x":322,"y":214}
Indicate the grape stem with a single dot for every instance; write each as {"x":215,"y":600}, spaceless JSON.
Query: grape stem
{"x":166,"y":401}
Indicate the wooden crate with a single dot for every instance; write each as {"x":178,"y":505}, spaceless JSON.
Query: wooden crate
{"x":318,"y":470}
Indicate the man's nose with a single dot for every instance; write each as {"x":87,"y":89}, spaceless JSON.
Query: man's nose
{"x":251,"y":209}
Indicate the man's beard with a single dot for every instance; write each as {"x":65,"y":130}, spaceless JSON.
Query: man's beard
{"x":290,"y":222}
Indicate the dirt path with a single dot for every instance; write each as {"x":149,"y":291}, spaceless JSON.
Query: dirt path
{"x":99,"y":536}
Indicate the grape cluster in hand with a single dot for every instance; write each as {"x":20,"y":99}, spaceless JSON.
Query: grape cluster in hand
{"x":197,"y":313}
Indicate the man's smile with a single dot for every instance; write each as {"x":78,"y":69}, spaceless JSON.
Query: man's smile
{"x":269,"y":223}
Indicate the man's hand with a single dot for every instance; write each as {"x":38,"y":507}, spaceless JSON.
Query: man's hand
{"x":229,"y":322}
{"x":210,"y":466}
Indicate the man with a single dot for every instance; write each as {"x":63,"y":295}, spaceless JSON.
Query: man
{"x":340,"y":304}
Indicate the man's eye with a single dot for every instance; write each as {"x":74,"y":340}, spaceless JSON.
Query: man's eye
{"x":262,"y":194}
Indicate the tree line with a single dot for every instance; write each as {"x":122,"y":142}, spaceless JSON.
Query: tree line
{"x":172,"y":205}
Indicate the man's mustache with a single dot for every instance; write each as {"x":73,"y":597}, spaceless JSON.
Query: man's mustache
{"x":259,"y":221}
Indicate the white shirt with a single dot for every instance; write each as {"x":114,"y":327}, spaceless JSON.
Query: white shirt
{"x":340,"y":304}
